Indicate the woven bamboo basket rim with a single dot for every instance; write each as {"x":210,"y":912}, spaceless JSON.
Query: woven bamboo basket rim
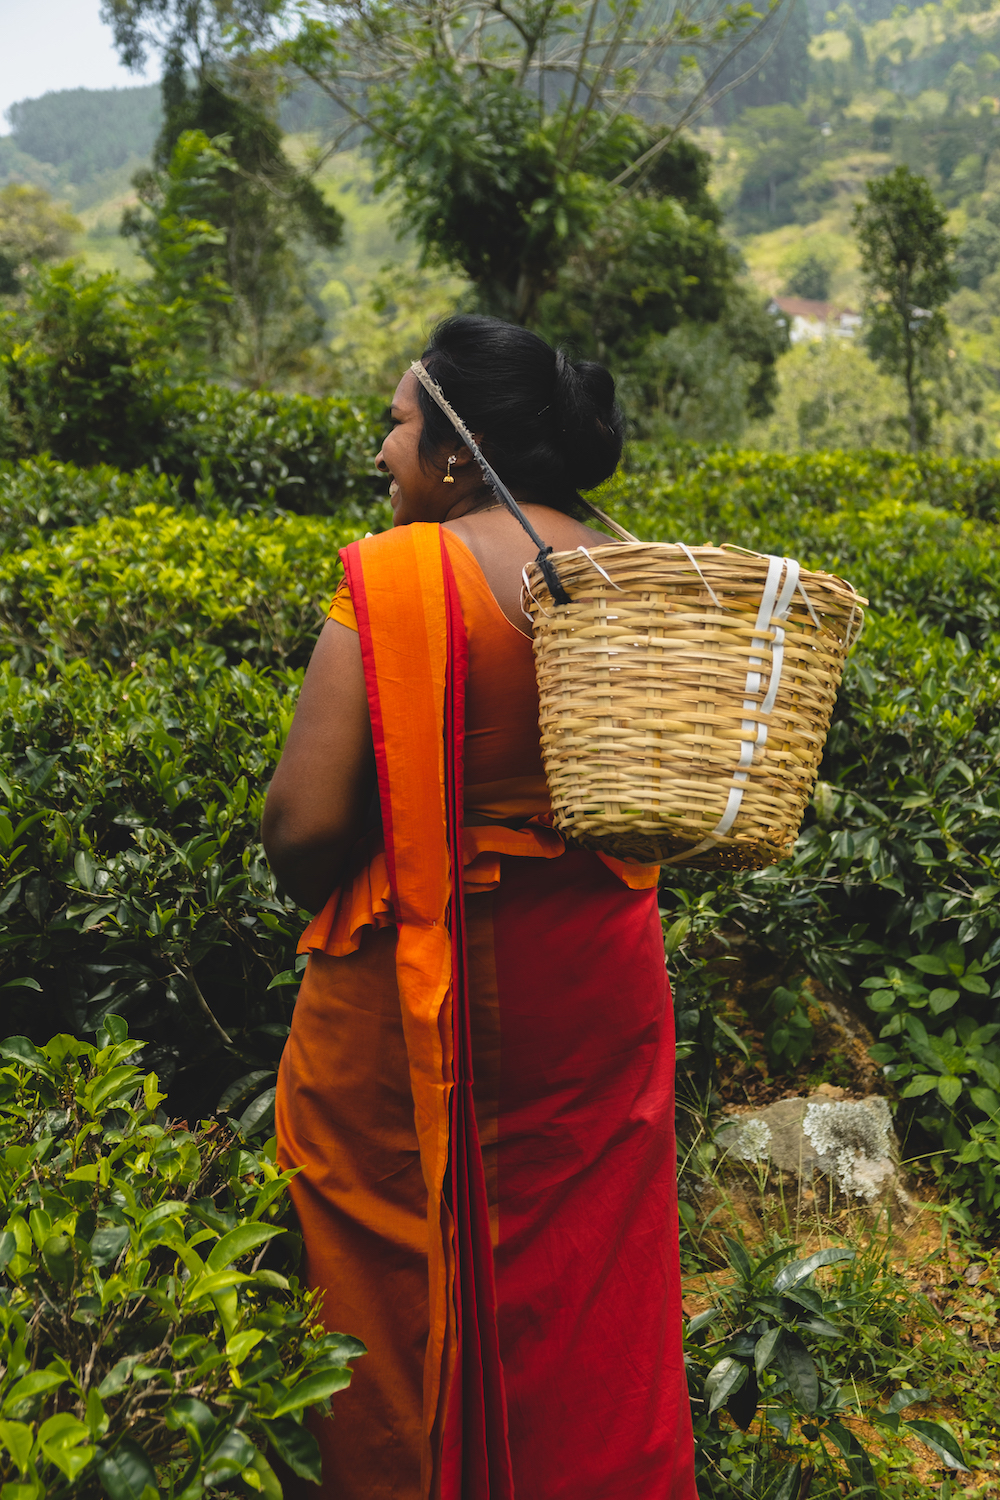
{"x":655,"y":709}
{"x":718,"y":561}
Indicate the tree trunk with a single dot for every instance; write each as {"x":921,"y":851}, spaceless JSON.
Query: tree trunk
{"x":911,"y":393}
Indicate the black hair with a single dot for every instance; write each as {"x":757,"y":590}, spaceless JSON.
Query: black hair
{"x":549,"y":427}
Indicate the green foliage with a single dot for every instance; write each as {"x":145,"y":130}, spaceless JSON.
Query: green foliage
{"x":906,"y":255}
{"x":644,"y":268}
{"x":83,"y":378}
{"x":810,"y":278}
{"x":39,"y":496}
{"x":32,"y":228}
{"x":158,"y":577}
{"x":145,"y":1350}
{"x":183,"y":242}
{"x":483,"y":184}
{"x":131,"y":874}
{"x":87,"y":131}
{"x":978,"y":254}
{"x":782,"y":1351}
{"x":259,"y":449}
{"x":790,"y":1034}
{"x":781,"y":181}
{"x":831,"y":395}
{"x":227,"y":211}
{"x":76,"y":366}
{"x":702,"y":382}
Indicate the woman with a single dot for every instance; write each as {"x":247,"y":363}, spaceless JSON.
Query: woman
{"x":478,"y":1086}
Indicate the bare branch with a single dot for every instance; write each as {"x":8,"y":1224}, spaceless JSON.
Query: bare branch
{"x":702,"y":99}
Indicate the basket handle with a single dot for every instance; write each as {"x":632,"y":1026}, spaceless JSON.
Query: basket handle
{"x":605,"y":520}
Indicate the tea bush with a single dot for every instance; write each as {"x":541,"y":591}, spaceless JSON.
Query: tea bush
{"x":781,"y":484}
{"x":821,"y":1375}
{"x":259,"y":449}
{"x":152,"y":663}
{"x":158,"y":577}
{"x":39,"y":495}
{"x":145,"y":1350}
{"x":131,"y":874}
{"x":85,"y":377}
{"x":890,"y":897}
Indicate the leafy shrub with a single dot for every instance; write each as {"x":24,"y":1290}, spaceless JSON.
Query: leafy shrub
{"x":77,"y":373}
{"x":890,"y":896}
{"x":255,"y":449}
{"x":145,"y":1351}
{"x":84,"y":377}
{"x":777,"y":1346}
{"x":42,"y":495}
{"x":131,"y":874}
{"x":778,"y":485}
{"x":158,"y":577}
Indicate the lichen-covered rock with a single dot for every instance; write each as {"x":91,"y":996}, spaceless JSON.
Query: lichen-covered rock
{"x":850,"y":1140}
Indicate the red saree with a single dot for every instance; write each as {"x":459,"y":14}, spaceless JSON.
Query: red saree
{"x":479,"y":1088}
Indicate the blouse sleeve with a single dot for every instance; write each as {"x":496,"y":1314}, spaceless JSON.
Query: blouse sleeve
{"x":342,"y":608}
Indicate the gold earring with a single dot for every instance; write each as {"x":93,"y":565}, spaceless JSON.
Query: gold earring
{"x":449,"y":478}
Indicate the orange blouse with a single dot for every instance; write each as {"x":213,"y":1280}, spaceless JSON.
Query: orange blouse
{"x":504,"y":777}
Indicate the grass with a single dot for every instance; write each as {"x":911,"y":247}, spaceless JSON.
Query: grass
{"x":917,"y":1307}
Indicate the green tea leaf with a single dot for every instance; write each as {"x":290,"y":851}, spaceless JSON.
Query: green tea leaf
{"x":766,"y":1349}
{"x":239,"y":1242}
{"x":126,"y":1472}
{"x":796,"y":1364}
{"x":296,"y":1447}
{"x":35,"y":1384}
{"x":800,"y":1270}
{"x":19,"y":1440}
{"x":315,"y":1389}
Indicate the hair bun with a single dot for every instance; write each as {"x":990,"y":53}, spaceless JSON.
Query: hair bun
{"x":588,"y":421}
{"x":549,"y":427}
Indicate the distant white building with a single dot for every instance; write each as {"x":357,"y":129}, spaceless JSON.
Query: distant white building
{"x":808,"y":320}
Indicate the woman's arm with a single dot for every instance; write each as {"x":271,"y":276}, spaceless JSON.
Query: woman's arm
{"x":318,"y":800}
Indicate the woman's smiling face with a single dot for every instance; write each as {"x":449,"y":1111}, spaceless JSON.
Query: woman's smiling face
{"x":416,"y":493}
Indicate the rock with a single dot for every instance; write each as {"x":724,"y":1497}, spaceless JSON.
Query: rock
{"x":850,"y":1140}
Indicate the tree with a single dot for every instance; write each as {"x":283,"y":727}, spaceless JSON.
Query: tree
{"x":783,"y":78}
{"x":181,"y":241}
{"x":906,"y":262}
{"x":223,"y":201}
{"x":32,"y":228}
{"x":80,"y":370}
{"x":782,"y":153}
{"x":503,"y":123}
{"x":648,"y":266}
{"x":85,"y":131}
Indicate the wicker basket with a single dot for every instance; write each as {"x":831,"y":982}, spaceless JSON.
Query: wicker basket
{"x":685,"y":698}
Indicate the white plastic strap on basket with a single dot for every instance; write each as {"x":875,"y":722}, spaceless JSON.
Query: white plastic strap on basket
{"x":775,"y":602}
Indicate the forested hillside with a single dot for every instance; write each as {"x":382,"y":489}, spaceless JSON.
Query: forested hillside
{"x":838,"y":98}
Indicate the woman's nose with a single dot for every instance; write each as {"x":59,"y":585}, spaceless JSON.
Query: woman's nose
{"x":380,"y":463}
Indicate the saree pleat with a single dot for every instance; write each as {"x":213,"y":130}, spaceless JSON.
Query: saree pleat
{"x":478,"y":1088}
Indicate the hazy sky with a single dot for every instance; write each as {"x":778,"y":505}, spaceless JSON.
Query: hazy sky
{"x":55,"y":44}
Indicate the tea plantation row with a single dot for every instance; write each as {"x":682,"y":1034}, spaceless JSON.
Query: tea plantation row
{"x":153,"y":652}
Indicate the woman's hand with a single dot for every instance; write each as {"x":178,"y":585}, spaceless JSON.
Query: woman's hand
{"x":318,"y":800}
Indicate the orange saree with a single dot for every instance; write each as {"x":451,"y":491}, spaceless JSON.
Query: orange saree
{"x":478,"y":1088}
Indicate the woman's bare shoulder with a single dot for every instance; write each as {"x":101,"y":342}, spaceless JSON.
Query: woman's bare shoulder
{"x":501,"y":547}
